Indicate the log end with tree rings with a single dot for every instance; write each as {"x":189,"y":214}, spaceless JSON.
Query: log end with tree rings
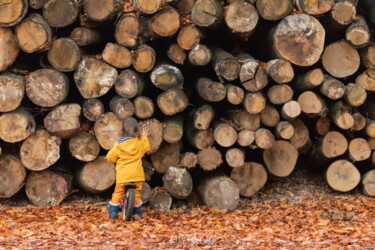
{"x":146,"y":7}
{"x":224,"y":134}
{"x":117,"y":55}
{"x":245,"y":138}
{"x":144,"y":59}
{"x":166,"y":76}
{"x":176,"y":54}
{"x":173,"y":129}
{"x":167,"y":155}
{"x":188,"y":160}
{"x":84,"y":146}
{"x":235,"y":95}
{"x":156,"y":136}
{"x":172,"y":101}
{"x":359,"y":121}
{"x":209,"y":158}
{"x":249,"y":178}
{"x":343,"y":12}
{"x":10,"y":48}
{"x":235,"y":157}
{"x":178,"y":182}
{"x":280,"y":94}
{"x":315,"y":8}
{"x":47,"y":87}
{"x":60,"y":13}
{"x":269,"y":116}
{"x":284,"y":130}
{"x":166,"y":22}
{"x":280,"y":70}
{"x":311,"y":104}
{"x":241,"y":18}
{"x":17,"y":125}
{"x":359,"y":149}
{"x":129,"y":84}
{"x":128,"y":31}
{"x":12,"y":91}
{"x":290,"y":110}
{"x":334,"y":144}
{"x":92,"y":109}
{"x":94,"y":78}
{"x":274,"y":9}
{"x":342,"y":176}
{"x":200,"y":55}
{"x":368,"y":56}
{"x":64,"y":54}
{"x":12,"y":12}
{"x":299,"y":39}
{"x":358,"y":33}
{"x":122,"y":107}
{"x":264,"y":138}
{"x":144,"y":107}
{"x":108,"y":128}
{"x":203,"y":117}
{"x":188,"y":37}
{"x":254,"y":103}
{"x":12,"y":175}
{"x":101,"y":10}
{"x":252,"y":76}
{"x":200,"y":139}
{"x":206,"y":13}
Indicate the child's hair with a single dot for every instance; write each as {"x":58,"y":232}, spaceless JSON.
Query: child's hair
{"x":130,"y":127}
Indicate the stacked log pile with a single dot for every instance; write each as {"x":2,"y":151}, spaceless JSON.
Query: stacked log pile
{"x":234,"y":93}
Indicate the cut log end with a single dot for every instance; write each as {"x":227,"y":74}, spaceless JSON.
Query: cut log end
{"x":281,"y":158}
{"x":209,"y":158}
{"x":178,"y":182}
{"x":249,"y":178}
{"x":342,"y":176}
{"x":12,"y":175}
{"x":368,"y":183}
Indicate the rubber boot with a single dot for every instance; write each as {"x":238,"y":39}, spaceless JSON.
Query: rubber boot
{"x":113,"y":210}
{"x":138,"y":210}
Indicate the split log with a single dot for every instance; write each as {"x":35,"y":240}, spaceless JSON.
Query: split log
{"x":331,"y":145}
{"x":84,"y":36}
{"x":301,"y":43}
{"x":183,"y":6}
{"x":269,"y":116}
{"x":340,"y":113}
{"x":290,"y":110}
{"x":254,"y":103}
{"x":370,"y":128}
{"x":301,"y":137}
{"x":188,"y":37}
{"x":199,"y":139}
{"x":355,"y":95}
{"x":173,"y":128}
{"x":332,"y":88}
{"x":235,"y":95}
{"x":96,"y":176}
{"x":209,"y":158}
{"x":84,"y":146}
{"x":108,"y":128}
{"x":160,"y":199}
{"x":144,"y":59}
{"x":166,"y":156}
{"x":224,"y":134}
{"x":47,"y":188}
{"x":315,"y":8}
{"x":264,"y":138}
{"x":206,"y":13}
{"x":117,"y":55}
{"x":367,"y":79}
{"x":188,"y":160}
{"x":165,"y":76}
{"x":172,"y":101}
{"x":143,"y":107}
{"x":209,"y":90}
{"x":219,"y":191}
{"x":359,"y":150}
{"x":37,"y":4}
{"x":280,"y":94}
{"x":249,"y":178}
{"x":359,"y":122}
{"x":9,"y":48}
{"x":235,"y":157}
{"x":340,"y":59}
{"x":16,"y":125}
{"x":156,"y":130}
{"x":312,"y":104}
{"x":122,"y":107}
{"x":274,"y":9}
{"x":40,"y":150}
{"x":146,"y":192}
{"x":92,"y":109}
{"x":94,"y":78}
{"x":241,"y":18}
{"x":34,"y":34}
{"x":368,"y":56}
{"x":245,"y":138}
{"x":358,"y":33}
{"x":12,"y":91}
{"x":176,"y":54}
{"x":12,"y":12}
{"x":323,"y":126}
{"x":281,"y":158}
{"x":342,"y":176}
{"x":367,"y":182}
{"x":280,"y":70}
{"x":61,"y":13}
{"x":12,"y":175}
{"x":252,"y":76}
{"x":129,"y":84}
{"x":165,"y":22}
{"x":128,"y":31}
{"x":178,"y":182}
{"x":146,"y":7}
{"x":64,"y":120}
{"x":225,"y":65}
{"x":308,"y":80}
{"x":244,"y":120}
{"x":200,"y":55}
{"x":203,"y":116}
{"x":284,"y":130}
{"x":47,"y":87}
{"x":101,"y":10}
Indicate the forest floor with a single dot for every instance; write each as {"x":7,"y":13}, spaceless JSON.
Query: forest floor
{"x":298,"y":212}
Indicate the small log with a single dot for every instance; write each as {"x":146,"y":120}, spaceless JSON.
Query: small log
{"x":264,"y":138}
{"x":64,"y":120}
{"x":368,"y":180}
{"x":108,"y":128}
{"x":244,"y":120}
{"x":146,"y":192}
{"x":64,"y":54}
{"x":96,"y":176}
{"x":269,"y":116}
{"x":280,"y":94}
{"x":254,"y":103}
{"x":188,"y":160}
{"x":235,"y":95}
{"x":235,"y":157}
{"x":290,"y":110}
{"x":160,"y":199}
{"x":284,"y":130}
{"x":370,"y":128}
{"x":12,"y":91}
{"x":33,"y":34}
{"x":342,"y":176}
{"x":366,"y":79}
{"x":368,"y":56}
{"x":117,"y":56}
{"x":16,"y":125}
{"x":249,"y":178}
{"x":144,"y":59}
{"x":188,"y":37}
{"x":128,"y":31}
{"x":207,"y":13}
{"x":252,"y":76}
{"x":94,"y":78}
{"x":280,"y":70}
{"x":359,"y":150}
{"x":209,"y":90}
{"x":323,"y":126}
{"x":12,"y":175}
{"x":245,"y":138}
{"x":84,"y":146}
{"x":199,"y":139}
{"x":176,"y":54}
{"x":273,"y":9}
{"x":343,"y":13}
{"x":358,"y":33}
{"x":281,"y":158}
{"x":146,"y":7}
{"x":299,"y":39}
{"x":47,"y":87}
{"x":332,"y":88}
{"x":308,"y":80}
{"x":340,"y":114}
{"x":183,"y":6}
{"x":84,"y":36}
{"x":315,"y":8}
{"x":156,"y":133}
{"x":178,"y":182}
{"x":143,"y":107}
{"x":166,"y":156}
{"x":241,"y":18}
{"x":312,"y":104}
{"x":371,"y":143}
{"x":129,"y":84}
{"x":102,"y":10}
{"x":9,"y":48}
{"x":172,"y":101}
{"x":301,"y":137}
{"x":37,"y":4}
{"x":224,"y":134}
{"x":355,"y":95}
{"x":225,"y":65}
{"x":173,"y":128}
{"x":220,"y":192}
{"x":200,"y":55}
{"x":359,"y":122}
{"x":12,"y":12}
{"x":203,"y":116}
{"x":61,"y":13}
{"x":166,"y":76}
{"x":122,"y":107}
{"x":40,"y":150}
{"x":92,"y":109}
{"x":165,"y":22}
{"x":209,"y":158}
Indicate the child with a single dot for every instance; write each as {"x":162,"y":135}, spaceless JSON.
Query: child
{"x":127,"y":153}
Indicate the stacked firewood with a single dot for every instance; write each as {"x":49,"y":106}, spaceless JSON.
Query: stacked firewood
{"x":234,"y":92}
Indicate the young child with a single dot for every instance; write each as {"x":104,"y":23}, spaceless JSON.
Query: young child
{"x":127,"y":153}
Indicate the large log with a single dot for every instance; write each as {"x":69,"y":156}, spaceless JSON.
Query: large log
{"x":128,"y":31}
{"x":235,"y":157}
{"x":290,"y":110}
{"x":355,"y":95}
{"x":9,"y":48}
{"x":342,"y":176}
{"x":209,"y":158}
{"x":167,"y":155}
{"x":250,"y":178}
{"x":173,"y":128}
{"x":172,"y":101}
{"x":368,"y":56}
{"x":129,"y":84}
{"x":101,"y":10}
{"x":12,"y":175}
{"x":178,"y":182}
{"x":60,"y":13}
{"x":156,"y":136}
{"x":12,"y":12}
{"x":143,"y":107}
{"x":84,"y":146}
{"x":224,"y":134}
{"x":241,"y":18}
{"x":206,"y":13}
{"x":274,"y":9}
{"x":117,"y":55}
{"x":12,"y":91}
{"x":160,"y":199}
{"x":200,"y":55}
{"x":312,"y":104}
{"x":108,"y":129}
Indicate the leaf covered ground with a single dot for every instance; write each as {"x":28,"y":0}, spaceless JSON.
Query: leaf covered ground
{"x":298,"y":212}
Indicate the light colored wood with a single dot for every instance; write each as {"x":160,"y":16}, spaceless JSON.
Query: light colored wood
{"x":166,"y":156}
{"x":301,"y":137}
{"x":245,"y":138}
{"x":200,"y":139}
{"x":178,"y":182}
{"x":17,"y":125}
{"x":172,"y":101}
{"x":315,"y":8}
{"x":12,"y":174}
{"x":371,"y":142}
{"x":60,"y":13}
{"x":367,"y":79}
{"x":166,"y":76}
{"x":242,"y":119}
{"x":129,"y":84}
{"x":355,"y":95}
{"x":209,"y":90}
{"x":367,"y":182}
{"x":92,"y":109}
{"x":332,"y":88}
{"x":264,"y":138}
{"x":235,"y":157}
{"x":143,"y":107}
{"x":173,"y":128}
{"x":340,"y":113}
{"x":252,"y":76}
{"x":358,"y":33}
{"x":284,"y":130}
{"x":343,"y":12}
{"x":370,"y":128}
{"x":225,"y":65}
{"x":206,"y":13}
{"x":12,"y":12}
{"x":359,"y":122}
{"x":84,"y":146}
{"x":64,"y":54}
{"x":203,"y":116}
{"x":9,"y":48}
{"x":331,"y":145}
{"x":368,"y":56}
{"x":280,"y":71}
{"x":254,"y":103}
{"x":108,"y":129}
{"x":146,"y":6}
{"x":235,"y":95}
{"x":359,"y":150}
{"x":209,"y":158}
{"x":290,"y":110}
{"x":156,"y":136}
{"x":312,"y":104}
{"x":128,"y":31}
{"x":188,"y":160}
{"x":176,"y":54}
{"x":250,"y":178}
{"x":165,"y":22}
{"x":269,"y":116}
{"x":280,"y":94}
{"x":342,"y":176}
{"x":12,"y":91}
{"x":274,"y":9}
{"x":122,"y":107}
{"x":308,"y":80}
{"x":101,"y":10}
{"x":224,"y":134}
{"x":281,"y":158}
{"x":188,"y":37}
{"x":144,"y":59}
{"x":117,"y":55}
{"x":200,"y":55}
{"x":241,"y":18}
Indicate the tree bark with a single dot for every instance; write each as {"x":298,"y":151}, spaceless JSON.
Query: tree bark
{"x":60,"y":13}
{"x":146,"y":192}
{"x":84,"y":36}
{"x":224,"y":134}
{"x":173,"y":129}
{"x":315,"y":8}
{"x":84,"y":146}
{"x":284,"y":130}
{"x":108,"y":128}
{"x":209,"y":90}
{"x":144,"y":59}
{"x":358,"y":33}
{"x":12,"y":12}
{"x":273,"y":10}
{"x":241,"y":18}
{"x":301,"y":137}
{"x":207,"y":13}
{"x":332,"y":88}
{"x":340,"y":113}
{"x":368,"y":56}
{"x":166,"y":76}
{"x":225,"y":65}
{"x":270,"y":116}
{"x":160,"y":199}
{"x":156,"y":136}
{"x":280,"y":71}
{"x":122,"y":107}
{"x":102,"y":10}
{"x":172,"y":101}
{"x":92,"y":109}
{"x":176,"y":54}
{"x":178,"y":182}
{"x":166,"y":156}
{"x":331,"y":145}
{"x":308,"y":80}
{"x":342,"y":176}
{"x":12,"y":175}
{"x":37,"y":4}
{"x":235,"y":157}
{"x":10,"y":49}
{"x":12,"y":91}
{"x":244,"y":120}
{"x":209,"y":158}
{"x":199,"y":139}
{"x":183,"y":6}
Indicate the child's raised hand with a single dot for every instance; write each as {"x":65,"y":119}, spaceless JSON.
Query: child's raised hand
{"x":145,"y":131}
